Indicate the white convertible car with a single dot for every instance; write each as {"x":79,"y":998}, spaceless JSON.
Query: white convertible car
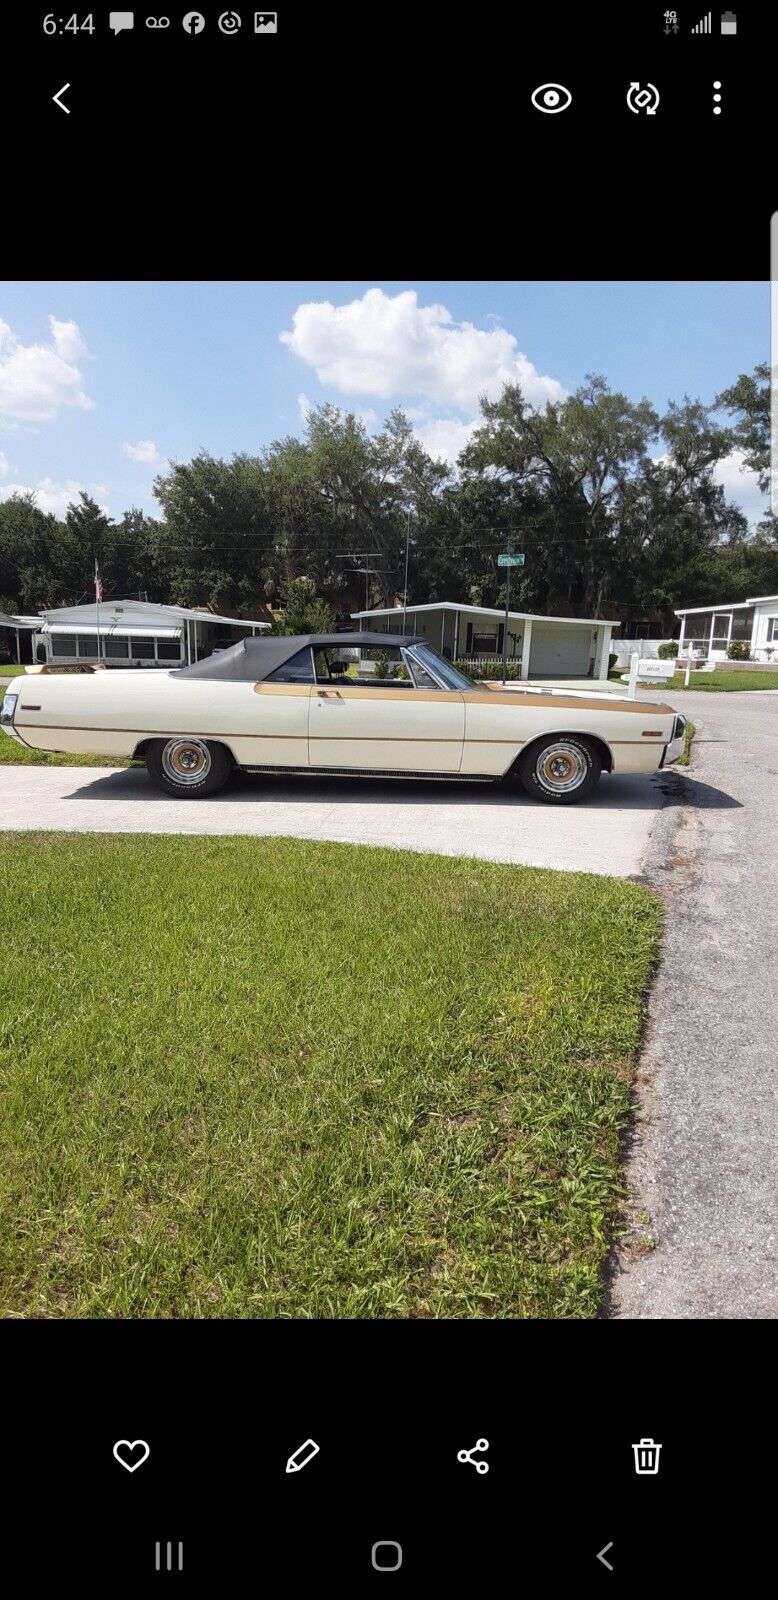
{"x":361,"y":703}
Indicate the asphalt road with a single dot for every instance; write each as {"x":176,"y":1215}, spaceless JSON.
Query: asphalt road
{"x":608,"y":834}
{"x":703,"y":1162}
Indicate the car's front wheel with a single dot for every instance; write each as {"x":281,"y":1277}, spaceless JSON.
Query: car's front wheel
{"x":560,"y":770}
{"x":188,"y":768}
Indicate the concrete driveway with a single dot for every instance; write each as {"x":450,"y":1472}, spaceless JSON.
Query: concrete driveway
{"x":703,"y":1165}
{"x":610,"y":833}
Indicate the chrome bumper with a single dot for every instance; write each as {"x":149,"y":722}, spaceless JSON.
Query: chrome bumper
{"x":675,"y":748}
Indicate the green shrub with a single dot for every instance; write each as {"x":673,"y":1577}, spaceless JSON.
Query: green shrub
{"x":668,"y":650}
{"x":738,"y":650}
{"x":612,"y":659}
{"x":493,"y":669}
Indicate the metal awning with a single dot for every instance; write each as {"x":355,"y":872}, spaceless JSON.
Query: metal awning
{"x":16,"y":622}
{"x":124,"y":631}
{"x":121,"y":630}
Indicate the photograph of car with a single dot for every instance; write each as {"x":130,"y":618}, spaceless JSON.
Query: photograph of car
{"x":364,"y":704}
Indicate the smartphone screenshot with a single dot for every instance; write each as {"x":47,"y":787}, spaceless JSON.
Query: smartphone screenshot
{"x":388,"y":799}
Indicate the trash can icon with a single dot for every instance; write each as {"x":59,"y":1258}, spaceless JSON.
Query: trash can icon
{"x":646,"y":1458}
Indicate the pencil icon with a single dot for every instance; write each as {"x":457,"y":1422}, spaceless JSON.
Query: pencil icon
{"x":302,"y":1456}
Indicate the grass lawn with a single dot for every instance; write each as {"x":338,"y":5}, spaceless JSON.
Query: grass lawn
{"x":721,"y":681}
{"x":683,"y":761}
{"x":18,"y":755}
{"x":274,"y":1078}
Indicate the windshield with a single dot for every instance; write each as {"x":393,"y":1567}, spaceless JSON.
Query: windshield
{"x":442,"y":669}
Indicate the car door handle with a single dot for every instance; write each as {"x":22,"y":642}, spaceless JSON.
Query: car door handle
{"x":330,"y":697}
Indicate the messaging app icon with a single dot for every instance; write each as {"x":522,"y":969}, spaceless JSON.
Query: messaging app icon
{"x":119,"y":20}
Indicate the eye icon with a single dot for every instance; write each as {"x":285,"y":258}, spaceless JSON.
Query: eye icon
{"x":552,"y":97}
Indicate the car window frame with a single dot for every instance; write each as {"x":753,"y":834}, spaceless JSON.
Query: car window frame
{"x":423,"y":666}
{"x":302,"y":683}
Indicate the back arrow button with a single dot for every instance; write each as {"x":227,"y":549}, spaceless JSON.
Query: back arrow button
{"x":58,"y":102}
{"x":601,"y":1554}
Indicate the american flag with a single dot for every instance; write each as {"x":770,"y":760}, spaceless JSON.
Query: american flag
{"x":98,"y":583}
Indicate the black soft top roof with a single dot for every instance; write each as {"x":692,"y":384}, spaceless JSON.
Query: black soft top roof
{"x":254,"y":659}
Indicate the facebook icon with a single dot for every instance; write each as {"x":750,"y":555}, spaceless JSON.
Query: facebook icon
{"x":194,"y":22}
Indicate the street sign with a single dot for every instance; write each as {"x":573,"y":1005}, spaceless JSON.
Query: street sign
{"x":510,"y":560}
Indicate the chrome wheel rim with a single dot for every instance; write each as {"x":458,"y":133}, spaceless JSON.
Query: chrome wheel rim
{"x":561,"y":768}
{"x":186,"y":761}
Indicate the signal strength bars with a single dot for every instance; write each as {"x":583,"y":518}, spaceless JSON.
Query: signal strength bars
{"x":705,"y":24}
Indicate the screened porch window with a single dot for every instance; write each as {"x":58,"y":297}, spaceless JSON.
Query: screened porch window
{"x":115,"y":649}
{"x":168,"y":650}
{"x":63,"y":644}
{"x":742,"y":625}
{"x":142,"y":649}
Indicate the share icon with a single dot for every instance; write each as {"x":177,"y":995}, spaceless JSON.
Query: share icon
{"x":467,"y":1455}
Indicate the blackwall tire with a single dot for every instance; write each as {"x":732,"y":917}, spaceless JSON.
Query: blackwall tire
{"x":188,"y":768}
{"x":560,"y":770}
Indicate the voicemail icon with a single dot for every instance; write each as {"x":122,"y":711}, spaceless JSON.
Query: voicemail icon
{"x":266,"y":22}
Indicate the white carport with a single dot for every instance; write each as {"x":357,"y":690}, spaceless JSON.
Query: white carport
{"x":544,"y":647}
{"x":18,"y":625}
{"x":135,"y":633}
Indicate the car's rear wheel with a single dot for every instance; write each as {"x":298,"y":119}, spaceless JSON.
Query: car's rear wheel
{"x":560,"y":770}
{"x":188,"y":768}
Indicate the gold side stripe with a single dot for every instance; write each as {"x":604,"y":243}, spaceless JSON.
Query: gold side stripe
{"x":520,"y":699}
{"x":390,"y":738}
{"x":151,"y":733}
{"x":354,"y":738}
{"x":283,"y":688}
{"x":525,"y":701}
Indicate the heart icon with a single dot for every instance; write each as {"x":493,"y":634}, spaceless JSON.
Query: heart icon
{"x":124,"y":1452}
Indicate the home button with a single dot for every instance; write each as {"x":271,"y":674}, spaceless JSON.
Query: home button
{"x":387,"y":1555}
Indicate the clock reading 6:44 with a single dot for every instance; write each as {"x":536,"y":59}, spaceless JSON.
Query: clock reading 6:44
{"x":52,"y":24}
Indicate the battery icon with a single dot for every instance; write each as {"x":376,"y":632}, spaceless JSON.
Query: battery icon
{"x":728,"y":22}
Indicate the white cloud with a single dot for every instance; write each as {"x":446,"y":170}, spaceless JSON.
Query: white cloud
{"x":390,"y":346}
{"x":145,"y":450}
{"x":56,"y":497}
{"x":37,"y":380}
{"x":67,"y":341}
{"x":5,"y":465}
{"x":741,"y":484}
{"x":444,"y":436}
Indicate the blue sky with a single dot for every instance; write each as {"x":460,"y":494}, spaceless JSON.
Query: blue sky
{"x":102,"y":383}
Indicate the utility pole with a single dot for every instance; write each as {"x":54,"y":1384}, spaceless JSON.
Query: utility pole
{"x":407,"y":549}
{"x":507,"y":559}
